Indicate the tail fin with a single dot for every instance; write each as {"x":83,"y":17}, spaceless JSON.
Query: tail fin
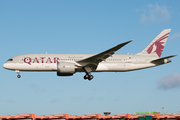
{"x":157,"y":45}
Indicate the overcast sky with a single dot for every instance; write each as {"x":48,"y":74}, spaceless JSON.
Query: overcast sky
{"x":88,"y":26}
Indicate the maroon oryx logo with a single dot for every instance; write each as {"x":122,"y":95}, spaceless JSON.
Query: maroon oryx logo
{"x":159,"y":45}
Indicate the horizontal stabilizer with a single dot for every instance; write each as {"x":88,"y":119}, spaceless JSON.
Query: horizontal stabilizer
{"x":164,"y":60}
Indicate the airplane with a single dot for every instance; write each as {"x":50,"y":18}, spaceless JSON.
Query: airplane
{"x":106,"y":61}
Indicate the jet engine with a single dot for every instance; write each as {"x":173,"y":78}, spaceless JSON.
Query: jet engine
{"x":65,"y":69}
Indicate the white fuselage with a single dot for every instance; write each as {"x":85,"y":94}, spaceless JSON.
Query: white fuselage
{"x":48,"y":62}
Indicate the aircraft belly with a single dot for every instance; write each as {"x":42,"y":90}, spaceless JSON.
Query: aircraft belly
{"x":121,"y":67}
{"x":131,"y":67}
{"x":111,"y":67}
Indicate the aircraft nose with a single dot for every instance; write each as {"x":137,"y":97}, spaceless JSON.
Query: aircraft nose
{"x":5,"y":65}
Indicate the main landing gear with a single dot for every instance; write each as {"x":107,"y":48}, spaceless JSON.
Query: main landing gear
{"x":88,"y":71}
{"x":89,"y":77}
{"x":17,"y":71}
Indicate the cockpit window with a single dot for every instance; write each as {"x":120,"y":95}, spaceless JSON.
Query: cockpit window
{"x":10,"y":59}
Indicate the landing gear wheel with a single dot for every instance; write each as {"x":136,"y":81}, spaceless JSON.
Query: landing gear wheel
{"x":86,"y":77}
{"x":90,"y":77}
{"x":18,"y":72}
{"x":18,"y":76}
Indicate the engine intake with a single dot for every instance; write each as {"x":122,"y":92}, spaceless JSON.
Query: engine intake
{"x":65,"y":69}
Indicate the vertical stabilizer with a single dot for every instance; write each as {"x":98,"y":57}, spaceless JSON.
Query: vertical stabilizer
{"x":157,"y":45}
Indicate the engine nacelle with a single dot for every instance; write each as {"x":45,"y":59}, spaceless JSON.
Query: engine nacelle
{"x":65,"y":69}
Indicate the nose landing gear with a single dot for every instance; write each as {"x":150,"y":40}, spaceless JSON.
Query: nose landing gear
{"x":17,"y":71}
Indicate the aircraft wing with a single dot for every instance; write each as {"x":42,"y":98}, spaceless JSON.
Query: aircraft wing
{"x":92,"y":62}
